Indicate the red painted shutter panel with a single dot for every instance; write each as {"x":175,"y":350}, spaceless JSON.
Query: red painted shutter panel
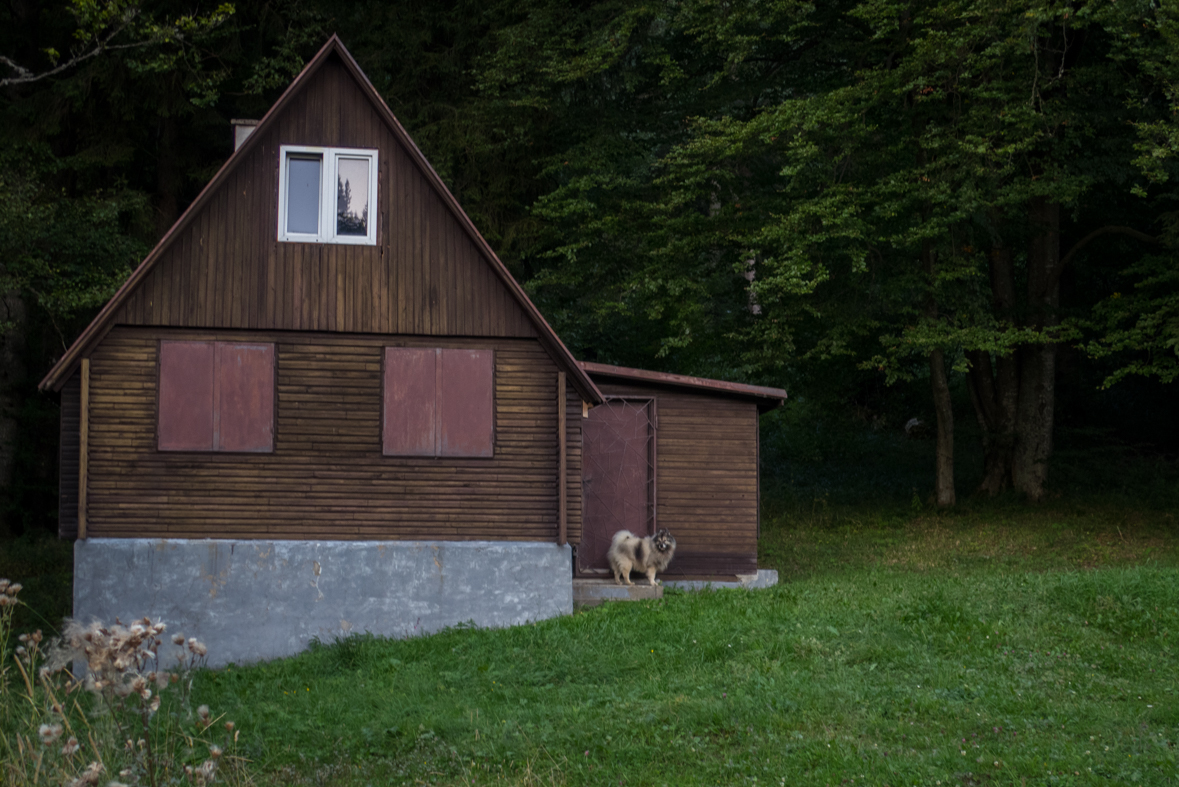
{"x":245,"y":408}
{"x":466,"y":404}
{"x":410,"y":407}
{"x":186,"y":396}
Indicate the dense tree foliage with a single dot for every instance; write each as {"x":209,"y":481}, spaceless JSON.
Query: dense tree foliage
{"x":932,"y":195}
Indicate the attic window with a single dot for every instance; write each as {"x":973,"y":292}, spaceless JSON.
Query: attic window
{"x":327,"y":195}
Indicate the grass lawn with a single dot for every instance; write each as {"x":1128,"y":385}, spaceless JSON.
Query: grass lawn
{"x":1001,"y":644}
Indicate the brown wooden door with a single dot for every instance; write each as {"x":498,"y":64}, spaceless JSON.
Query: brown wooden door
{"x":618,"y":477}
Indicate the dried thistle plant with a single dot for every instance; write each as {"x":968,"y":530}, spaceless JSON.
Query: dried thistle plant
{"x":112,"y":715}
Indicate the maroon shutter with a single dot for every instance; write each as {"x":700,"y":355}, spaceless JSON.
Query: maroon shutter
{"x":466,"y":418}
{"x":410,"y":408}
{"x":186,"y":396}
{"x":244,"y":418}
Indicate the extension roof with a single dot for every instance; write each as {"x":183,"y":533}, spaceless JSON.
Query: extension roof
{"x":765,"y":398}
{"x":103,"y":323}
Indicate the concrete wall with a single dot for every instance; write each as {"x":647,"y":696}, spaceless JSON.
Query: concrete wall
{"x":254,"y":600}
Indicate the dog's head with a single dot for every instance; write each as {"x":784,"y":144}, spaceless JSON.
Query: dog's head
{"x":663,"y":541}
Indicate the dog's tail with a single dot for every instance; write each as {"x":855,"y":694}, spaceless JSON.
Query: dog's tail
{"x":621,"y":536}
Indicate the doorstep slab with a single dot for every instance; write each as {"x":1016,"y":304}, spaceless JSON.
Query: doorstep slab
{"x":764,"y":578}
{"x":591,"y":592}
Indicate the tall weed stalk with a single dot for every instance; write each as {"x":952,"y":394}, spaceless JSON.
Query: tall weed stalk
{"x":97,"y":706}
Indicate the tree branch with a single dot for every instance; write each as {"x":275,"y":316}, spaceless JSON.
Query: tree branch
{"x":1058,"y":270}
{"x":24,"y":75}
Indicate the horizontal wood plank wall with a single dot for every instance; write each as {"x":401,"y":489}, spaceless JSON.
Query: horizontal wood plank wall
{"x":573,"y":421}
{"x":425,"y":276}
{"x":67,"y":463}
{"x":707,"y":477}
{"x":326,"y":478}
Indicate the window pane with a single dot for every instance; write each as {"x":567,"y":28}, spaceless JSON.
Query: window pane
{"x":352,"y":196}
{"x":303,"y":194}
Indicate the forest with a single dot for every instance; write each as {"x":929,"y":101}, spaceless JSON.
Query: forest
{"x":947,"y":229}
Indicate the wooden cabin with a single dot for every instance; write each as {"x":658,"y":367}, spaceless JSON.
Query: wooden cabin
{"x":322,"y":404}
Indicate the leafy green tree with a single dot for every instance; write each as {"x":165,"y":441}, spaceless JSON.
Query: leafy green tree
{"x":897,"y":170}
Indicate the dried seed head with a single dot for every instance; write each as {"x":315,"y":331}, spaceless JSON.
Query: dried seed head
{"x":155,"y":703}
{"x":214,"y":752}
{"x":71,"y":747}
{"x":48,"y":733}
{"x":90,"y":776}
{"x":177,"y":639}
{"x":13,"y":589}
{"x":4,"y":583}
{"x":208,"y":768}
{"x":174,"y":677}
{"x":4,"y":601}
{"x":161,"y":680}
{"x":229,"y":726}
{"x":203,"y":712}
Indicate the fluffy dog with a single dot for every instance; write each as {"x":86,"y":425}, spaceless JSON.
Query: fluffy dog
{"x":650,"y":554}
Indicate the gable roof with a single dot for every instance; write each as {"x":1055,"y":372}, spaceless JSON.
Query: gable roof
{"x":102,"y":324}
{"x":765,"y":398}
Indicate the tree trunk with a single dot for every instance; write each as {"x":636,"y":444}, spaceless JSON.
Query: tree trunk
{"x":940,"y":383}
{"x":12,"y":372}
{"x":994,"y":386}
{"x":1037,"y":368}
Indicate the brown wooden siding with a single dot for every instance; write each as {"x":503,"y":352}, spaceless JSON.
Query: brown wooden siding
{"x":425,"y":275}
{"x":67,"y":458}
{"x":327,"y":477}
{"x":706,"y":477}
{"x":573,"y":422}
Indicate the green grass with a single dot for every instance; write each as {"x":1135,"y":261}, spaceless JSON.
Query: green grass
{"x":899,"y":649}
{"x":1041,"y":638}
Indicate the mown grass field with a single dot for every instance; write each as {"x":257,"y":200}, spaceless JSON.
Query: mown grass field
{"x":997,"y":644}
{"x":1032,"y":646}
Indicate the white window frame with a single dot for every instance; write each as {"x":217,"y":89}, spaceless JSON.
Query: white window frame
{"x":328,"y":176}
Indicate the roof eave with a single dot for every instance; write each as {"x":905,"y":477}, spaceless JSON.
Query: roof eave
{"x":764,"y":397}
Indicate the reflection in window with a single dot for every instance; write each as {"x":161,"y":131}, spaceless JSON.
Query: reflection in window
{"x":352,"y":196}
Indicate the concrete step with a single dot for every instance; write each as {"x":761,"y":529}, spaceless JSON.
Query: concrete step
{"x":591,"y":592}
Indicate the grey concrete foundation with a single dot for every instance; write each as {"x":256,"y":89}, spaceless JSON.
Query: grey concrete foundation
{"x":254,"y":600}
{"x":764,"y":578}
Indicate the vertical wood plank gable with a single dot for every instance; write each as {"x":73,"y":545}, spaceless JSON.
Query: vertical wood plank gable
{"x":227,"y":270}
